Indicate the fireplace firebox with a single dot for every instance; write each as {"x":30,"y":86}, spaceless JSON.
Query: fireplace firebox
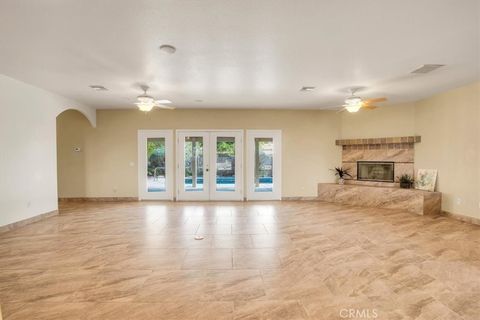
{"x":381,"y":171}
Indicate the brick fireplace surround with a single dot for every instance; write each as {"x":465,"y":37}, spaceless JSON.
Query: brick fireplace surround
{"x":399,"y":150}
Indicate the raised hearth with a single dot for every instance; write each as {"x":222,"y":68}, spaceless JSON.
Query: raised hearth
{"x":411,"y":200}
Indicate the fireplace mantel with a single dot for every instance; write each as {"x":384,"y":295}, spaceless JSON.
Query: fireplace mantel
{"x":388,"y":140}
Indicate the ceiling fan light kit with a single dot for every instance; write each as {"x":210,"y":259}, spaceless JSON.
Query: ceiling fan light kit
{"x":354,"y":103}
{"x":145,"y":107}
{"x":146,"y":103}
{"x":353,"y":108}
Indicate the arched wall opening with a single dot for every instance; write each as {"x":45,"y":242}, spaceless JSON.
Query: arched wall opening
{"x":88,"y":113}
{"x":72,"y":129}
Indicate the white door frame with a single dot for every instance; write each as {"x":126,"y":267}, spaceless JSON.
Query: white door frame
{"x":236,"y":195}
{"x":276,"y":193}
{"x":143,"y":194}
{"x":183,"y":195}
{"x":209,"y":192}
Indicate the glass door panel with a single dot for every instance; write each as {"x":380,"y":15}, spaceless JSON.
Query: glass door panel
{"x":264,"y":151}
{"x":155,"y":164}
{"x":225,"y":164}
{"x":226,"y":156}
{"x":156,"y":173}
{"x":193,"y":163}
{"x":264,"y":164}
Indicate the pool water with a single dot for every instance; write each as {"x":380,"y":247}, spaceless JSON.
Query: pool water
{"x":223,"y":184}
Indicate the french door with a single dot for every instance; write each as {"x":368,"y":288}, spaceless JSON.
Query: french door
{"x":155,"y":165}
{"x":264,"y":165}
{"x":209,"y":165}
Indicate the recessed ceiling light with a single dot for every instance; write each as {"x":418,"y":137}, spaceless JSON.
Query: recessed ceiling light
{"x":426,"y":68}
{"x":199,"y":100}
{"x":306,"y":89}
{"x":98,"y":88}
{"x":167,"y":48}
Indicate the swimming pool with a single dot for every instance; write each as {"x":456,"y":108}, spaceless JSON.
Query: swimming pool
{"x":223,"y":184}
{"x":226,"y":180}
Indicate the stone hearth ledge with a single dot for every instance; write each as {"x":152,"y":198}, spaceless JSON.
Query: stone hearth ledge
{"x":415,"y":201}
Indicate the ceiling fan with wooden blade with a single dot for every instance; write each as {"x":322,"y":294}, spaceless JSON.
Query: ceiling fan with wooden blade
{"x":354,"y":103}
{"x":146,"y":103}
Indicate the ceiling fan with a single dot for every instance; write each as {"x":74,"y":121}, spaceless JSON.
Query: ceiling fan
{"x":354,"y":103}
{"x":146,"y":103}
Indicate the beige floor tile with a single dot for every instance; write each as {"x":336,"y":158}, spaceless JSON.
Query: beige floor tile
{"x":208,"y":259}
{"x":165,"y":311}
{"x":232,"y":241}
{"x":112,"y":285}
{"x":234,"y":285}
{"x":278,"y":310}
{"x":269,"y":260}
{"x":249,"y":229}
{"x":271,"y":241}
{"x":214,"y":229}
{"x":255,"y":259}
{"x":45,"y":311}
{"x":173,"y":286}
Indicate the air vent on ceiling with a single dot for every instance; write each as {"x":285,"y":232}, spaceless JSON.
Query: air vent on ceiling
{"x":98,"y":87}
{"x":426,"y":68}
{"x":306,"y":89}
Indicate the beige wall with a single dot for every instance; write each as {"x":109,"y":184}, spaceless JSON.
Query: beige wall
{"x":110,"y":150}
{"x":449,"y":126}
{"x":388,"y":121}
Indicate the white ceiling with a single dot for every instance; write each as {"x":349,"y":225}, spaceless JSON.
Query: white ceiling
{"x":240,"y":54}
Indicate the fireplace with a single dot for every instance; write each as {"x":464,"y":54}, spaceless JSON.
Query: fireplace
{"x":381,"y":171}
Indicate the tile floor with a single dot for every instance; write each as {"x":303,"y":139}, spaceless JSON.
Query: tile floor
{"x":258,"y":260}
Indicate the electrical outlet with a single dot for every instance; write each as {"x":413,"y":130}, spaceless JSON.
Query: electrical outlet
{"x":458,"y":200}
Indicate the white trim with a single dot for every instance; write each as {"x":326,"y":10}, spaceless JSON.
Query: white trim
{"x":236,"y":195}
{"x":177,"y":131}
{"x":143,"y":135}
{"x":183,"y":195}
{"x":276,"y":194}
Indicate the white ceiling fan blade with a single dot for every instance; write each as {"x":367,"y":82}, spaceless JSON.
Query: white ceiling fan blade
{"x":164,"y":101}
{"x":162,"y":106}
